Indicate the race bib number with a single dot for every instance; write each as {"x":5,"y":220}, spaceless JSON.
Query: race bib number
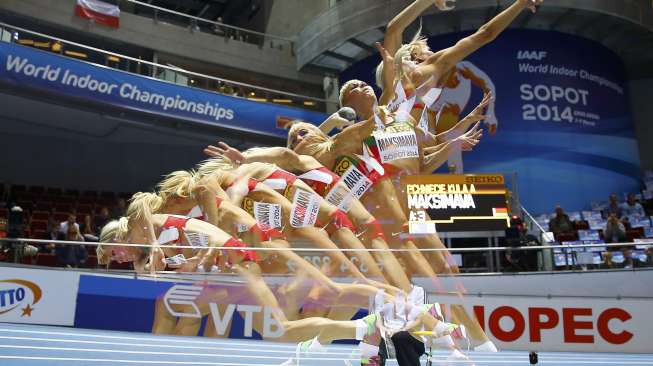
{"x":340,"y":196}
{"x":267,"y":214}
{"x":396,"y":145}
{"x":356,"y":182}
{"x":197,"y":239}
{"x":305,"y":208}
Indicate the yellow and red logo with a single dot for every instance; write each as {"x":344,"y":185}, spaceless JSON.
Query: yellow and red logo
{"x":15,"y":293}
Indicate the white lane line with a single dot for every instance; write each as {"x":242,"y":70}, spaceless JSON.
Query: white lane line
{"x":503,"y":362}
{"x":159,"y":345}
{"x":96,"y":350}
{"x":156,"y":338}
{"x":444,"y":353}
{"x":70,"y":359}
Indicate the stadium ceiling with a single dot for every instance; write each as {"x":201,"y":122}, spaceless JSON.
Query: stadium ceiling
{"x":333,"y":41}
{"x":233,"y":12}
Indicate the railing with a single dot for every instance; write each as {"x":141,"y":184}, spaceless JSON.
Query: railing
{"x":169,"y":73}
{"x":197,"y":24}
{"x":522,"y":257}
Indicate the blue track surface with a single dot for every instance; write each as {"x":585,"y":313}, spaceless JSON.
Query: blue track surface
{"x":31,"y":345}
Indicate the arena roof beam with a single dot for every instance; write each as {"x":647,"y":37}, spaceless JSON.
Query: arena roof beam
{"x":562,"y":19}
{"x":361,"y":45}
{"x":338,"y":56}
{"x":585,"y":26}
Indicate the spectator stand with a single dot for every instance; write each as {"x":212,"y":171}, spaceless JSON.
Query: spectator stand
{"x":45,"y":206}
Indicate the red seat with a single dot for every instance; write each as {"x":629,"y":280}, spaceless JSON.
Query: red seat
{"x":91,"y":261}
{"x":566,"y":237}
{"x":40,"y":215}
{"x":39,"y":225}
{"x":46,"y":259}
{"x":635,"y":233}
{"x":84,"y":209}
{"x":61,"y":207}
{"x":28,"y":260}
{"x":43,"y":205}
{"x":38,"y":234}
{"x":581,"y":225}
{"x":123,"y":266}
{"x":61,"y":216}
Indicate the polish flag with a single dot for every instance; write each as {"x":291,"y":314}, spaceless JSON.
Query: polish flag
{"x":99,"y":11}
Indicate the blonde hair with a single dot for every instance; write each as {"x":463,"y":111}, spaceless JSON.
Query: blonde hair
{"x":115,"y":229}
{"x":417,"y":45}
{"x":210,"y":166}
{"x":346,"y":87}
{"x":142,"y":202}
{"x":318,"y":141}
{"x":180,"y":183}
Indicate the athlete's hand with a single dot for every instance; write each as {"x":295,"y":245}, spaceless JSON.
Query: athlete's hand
{"x":225,"y":150}
{"x":532,"y":5}
{"x":471,"y":138}
{"x":338,"y":122}
{"x":388,"y":59}
{"x":442,"y":4}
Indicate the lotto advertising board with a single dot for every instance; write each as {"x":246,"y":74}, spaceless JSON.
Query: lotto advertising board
{"x":37,"y":296}
{"x":451,"y":202}
{"x":561,"y":119}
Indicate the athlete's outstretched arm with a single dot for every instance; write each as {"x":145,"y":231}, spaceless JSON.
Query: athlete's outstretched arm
{"x":441,"y":62}
{"x":396,"y":26}
{"x":435,"y":156}
{"x":334,"y":121}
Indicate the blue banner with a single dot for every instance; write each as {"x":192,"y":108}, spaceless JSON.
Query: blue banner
{"x":67,"y":77}
{"x":200,"y":308}
{"x":563,"y":120}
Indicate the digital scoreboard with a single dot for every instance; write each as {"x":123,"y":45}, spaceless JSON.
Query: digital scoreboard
{"x":448,"y":202}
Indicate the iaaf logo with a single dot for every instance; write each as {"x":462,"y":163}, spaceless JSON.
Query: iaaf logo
{"x":531,"y":55}
{"x":15,"y":293}
{"x":187,"y":295}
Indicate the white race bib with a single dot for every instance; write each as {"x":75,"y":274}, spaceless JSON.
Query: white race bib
{"x":305,"y":208}
{"x":267,"y":214}
{"x":340,"y":196}
{"x":197,"y":239}
{"x":357,"y":182}
{"x":168,"y":235}
{"x":195,"y":212}
{"x":276,"y":184}
{"x":396,"y":145}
